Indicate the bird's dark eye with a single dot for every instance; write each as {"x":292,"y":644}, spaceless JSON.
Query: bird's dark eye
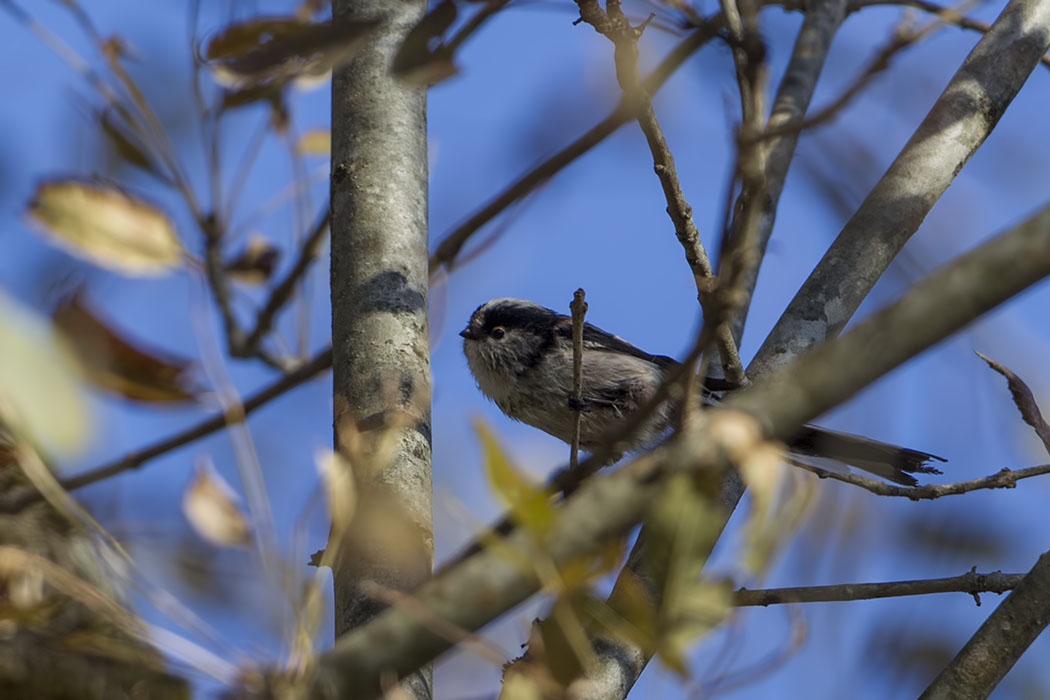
{"x":498,"y":332}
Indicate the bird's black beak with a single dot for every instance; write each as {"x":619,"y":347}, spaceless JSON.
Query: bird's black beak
{"x":470,"y":333}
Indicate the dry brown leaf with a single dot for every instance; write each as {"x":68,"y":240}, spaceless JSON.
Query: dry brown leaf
{"x":106,"y":226}
{"x":124,"y":143}
{"x":211,"y":507}
{"x":239,"y":39}
{"x":118,"y":366}
{"x":279,"y":50}
{"x":422,"y":59}
{"x":1024,"y":400}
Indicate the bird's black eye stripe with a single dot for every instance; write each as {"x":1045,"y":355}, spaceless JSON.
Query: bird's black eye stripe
{"x":498,"y":332}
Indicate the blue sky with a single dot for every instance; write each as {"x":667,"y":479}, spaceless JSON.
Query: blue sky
{"x":530,"y":83}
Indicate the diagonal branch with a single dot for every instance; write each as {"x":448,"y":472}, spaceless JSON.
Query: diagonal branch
{"x":957,"y":124}
{"x":971,"y":582}
{"x":480,"y":587}
{"x":319,"y":363}
{"x":997,"y":645}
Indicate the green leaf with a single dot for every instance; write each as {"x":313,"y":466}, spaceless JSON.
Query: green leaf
{"x":530,"y":504}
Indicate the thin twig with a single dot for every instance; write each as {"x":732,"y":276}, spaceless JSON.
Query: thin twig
{"x":901,"y":39}
{"x":971,"y":582}
{"x":320,"y":362}
{"x":947,"y":14}
{"x":579,"y":310}
{"x":1003,"y":479}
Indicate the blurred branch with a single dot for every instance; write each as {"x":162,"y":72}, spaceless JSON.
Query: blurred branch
{"x":753,"y":215}
{"x":971,"y":582}
{"x":1003,"y":479}
{"x":997,"y":645}
{"x":280,"y":294}
{"x":946,"y":14}
{"x":902,"y":39}
{"x":219,"y":281}
{"x":478,"y":588}
{"x":449,"y":247}
{"x":621,"y":661}
{"x":472,"y":25}
{"x":134,"y":460}
{"x":614,"y":25}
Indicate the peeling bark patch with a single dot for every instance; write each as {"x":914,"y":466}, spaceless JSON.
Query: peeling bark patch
{"x":389,"y":291}
{"x":407,"y":389}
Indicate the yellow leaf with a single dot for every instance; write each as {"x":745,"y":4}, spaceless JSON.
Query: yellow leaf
{"x":107,"y":227}
{"x":530,"y":503}
{"x":211,"y":506}
{"x":700,"y":609}
{"x":518,"y":686}
{"x":40,"y":396}
{"x":316,"y":142}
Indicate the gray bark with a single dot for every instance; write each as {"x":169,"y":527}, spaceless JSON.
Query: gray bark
{"x":994,"y":648}
{"x":381,"y":370}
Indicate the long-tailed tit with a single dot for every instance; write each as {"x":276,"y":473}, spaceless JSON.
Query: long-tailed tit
{"x":521,"y":356}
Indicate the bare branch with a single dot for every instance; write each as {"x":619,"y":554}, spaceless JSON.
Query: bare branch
{"x":901,"y":40}
{"x":1002,"y":479}
{"x":999,"y":642}
{"x":971,"y":582}
{"x":961,"y":291}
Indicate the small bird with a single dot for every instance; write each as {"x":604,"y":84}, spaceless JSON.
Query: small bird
{"x":520,"y":353}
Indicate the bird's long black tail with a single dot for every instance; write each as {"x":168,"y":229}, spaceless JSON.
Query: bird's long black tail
{"x":882,"y":459}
